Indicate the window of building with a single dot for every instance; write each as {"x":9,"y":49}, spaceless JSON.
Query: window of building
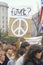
{"x":6,"y":10}
{"x":3,"y":26}
{"x":3,"y":9}
{"x":6,"y":18}
{"x":2,"y":19}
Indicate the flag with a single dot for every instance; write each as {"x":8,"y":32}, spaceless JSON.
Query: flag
{"x":41,"y":16}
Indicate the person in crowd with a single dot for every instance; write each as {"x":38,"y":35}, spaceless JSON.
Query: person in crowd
{"x":3,"y":60}
{"x":2,"y":57}
{"x":12,"y":61}
{"x":18,"y":54}
{"x":33,"y":55}
{"x":41,"y":59}
{"x":3,"y":54}
{"x":4,"y":44}
{"x":14,"y":46}
{"x":25,"y":46}
{"x":9,"y":52}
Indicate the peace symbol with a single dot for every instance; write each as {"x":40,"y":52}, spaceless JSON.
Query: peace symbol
{"x":19,"y":28}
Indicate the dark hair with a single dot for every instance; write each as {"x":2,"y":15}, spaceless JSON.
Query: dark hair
{"x":31,"y":53}
{"x":21,"y":51}
{"x":1,"y":45}
{"x":9,"y":48}
{"x":14,"y":44}
{"x":24,"y":44}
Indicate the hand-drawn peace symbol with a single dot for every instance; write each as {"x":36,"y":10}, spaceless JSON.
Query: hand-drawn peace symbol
{"x":19,"y":28}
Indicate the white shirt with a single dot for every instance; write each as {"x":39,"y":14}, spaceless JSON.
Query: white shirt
{"x":20,"y":60}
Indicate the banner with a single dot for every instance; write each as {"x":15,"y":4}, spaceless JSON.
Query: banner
{"x":34,"y":40}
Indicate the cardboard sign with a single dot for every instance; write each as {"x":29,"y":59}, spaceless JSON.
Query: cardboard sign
{"x":19,"y":27}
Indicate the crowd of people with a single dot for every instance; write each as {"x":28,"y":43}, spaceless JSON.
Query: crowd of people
{"x":26,"y":55}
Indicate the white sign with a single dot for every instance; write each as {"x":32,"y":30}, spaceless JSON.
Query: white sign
{"x":34,"y":40}
{"x":20,"y":12}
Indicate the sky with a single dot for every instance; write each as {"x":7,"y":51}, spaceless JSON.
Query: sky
{"x":34,"y":4}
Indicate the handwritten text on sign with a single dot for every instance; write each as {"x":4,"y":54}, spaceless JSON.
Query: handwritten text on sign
{"x":20,"y":11}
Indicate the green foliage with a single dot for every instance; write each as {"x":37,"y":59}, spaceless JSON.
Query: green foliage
{"x":5,"y":37}
{"x":11,"y":39}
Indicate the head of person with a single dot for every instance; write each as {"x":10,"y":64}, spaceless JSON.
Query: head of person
{"x":4,"y":44}
{"x":14,"y":46}
{"x":2,"y":55}
{"x":25,"y":46}
{"x":34,"y":52}
{"x":9,"y":51}
{"x":20,"y":52}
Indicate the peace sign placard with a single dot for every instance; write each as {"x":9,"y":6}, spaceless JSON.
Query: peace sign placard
{"x":19,"y":27}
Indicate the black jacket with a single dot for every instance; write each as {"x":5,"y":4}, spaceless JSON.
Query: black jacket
{"x":6,"y":61}
{"x":33,"y":62}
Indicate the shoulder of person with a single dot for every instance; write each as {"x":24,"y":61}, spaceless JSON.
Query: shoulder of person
{"x":20,"y":61}
{"x":10,"y":62}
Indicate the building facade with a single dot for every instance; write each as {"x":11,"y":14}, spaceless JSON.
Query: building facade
{"x":3,"y":17}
